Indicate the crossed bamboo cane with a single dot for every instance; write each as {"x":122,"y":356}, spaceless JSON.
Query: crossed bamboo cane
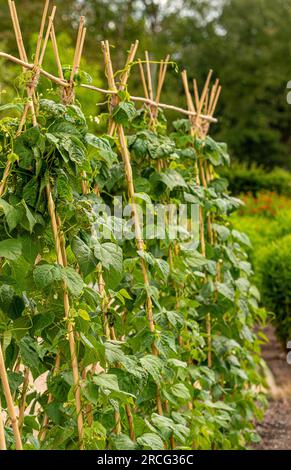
{"x":39,"y":54}
{"x":148,"y":88}
{"x":55,"y":221}
{"x":199,"y":128}
{"x":149,"y":92}
{"x":109,"y":330}
{"x":68,"y":96}
{"x":130,"y":186}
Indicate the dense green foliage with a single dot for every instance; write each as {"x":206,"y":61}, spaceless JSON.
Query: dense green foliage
{"x":246,"y":42}
{"x":203,"y":407}
{"x":274,"y":276}
{"x":267,"y":222}
{"x":254,"y":179}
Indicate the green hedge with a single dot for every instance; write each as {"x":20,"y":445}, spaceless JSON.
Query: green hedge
{"x":270,"y":254}
{"x":273,"y":264}
{"x":262,"y":230}
{"x":244,"y":179}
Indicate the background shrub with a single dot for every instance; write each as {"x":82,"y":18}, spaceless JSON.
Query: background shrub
{"x":273,"y":267}
{"x":263,"y":223}
{"x":253,"y":179}
{"x":266,"y":219}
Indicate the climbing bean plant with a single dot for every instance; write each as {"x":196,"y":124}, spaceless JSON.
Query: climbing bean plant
{"x":202,"y":406}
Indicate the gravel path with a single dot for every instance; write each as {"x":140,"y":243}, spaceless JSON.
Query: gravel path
{"x":275,"y":430}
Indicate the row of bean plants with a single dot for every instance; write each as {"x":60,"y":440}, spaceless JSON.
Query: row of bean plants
{"x":142,"y":344}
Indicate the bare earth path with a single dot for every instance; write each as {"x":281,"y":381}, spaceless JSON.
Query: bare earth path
{"x":275,"y":430}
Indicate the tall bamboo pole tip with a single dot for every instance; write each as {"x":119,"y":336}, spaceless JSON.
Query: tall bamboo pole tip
{"x":40,"y":34}
{"x":52,"y":15}
{"x":134,"y":47}
{"x":45,"y":10}
{"x":209,"y":77}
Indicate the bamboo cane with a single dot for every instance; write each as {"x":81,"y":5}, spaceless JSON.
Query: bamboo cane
{"x":38,"y":59}
{"x":190,"y":105}
{"x":145,"y":88}
{"x":41,"y":31}
{"x":123,"y":79}
{"x":2,"y":431}
{"x":44,"y":73}
{"x":131,"y":194}
{"x":81,"y":49}
{"x":149,"y":76}
{"x":215,"y":100}
{"x":161,"y":67}
{"x":37,"y":63}
{"x":78,"y":42}
{"x":213,"y":93}
{"x":194,"y":130}
{"x":130,"y":58}
{"x":204,"y":93}
{"x":196,"y":94}
{"x":209,"y":225}
{"x":23,"y":56}
{"x":202,"y":128}
{"x":9,"y":401}
{"x":155,"y":104}
{"x":56,"y":52}
{"x":162,"y":76}
{"x":7,"y":392}
{"x":58,"y":241}
{"x":17,"y":31}
{"x":110,"y":331}
{"x":70,"y":326}
{"x":46,"y":38}
{"x":211,"y":109}
{"x":65,"y":84}
{"x":206,"y":102}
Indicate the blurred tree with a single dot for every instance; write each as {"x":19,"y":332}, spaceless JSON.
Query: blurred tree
{"x":246,"y":42}
{"x":248,"y":45}
{"x":250,"y":56}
